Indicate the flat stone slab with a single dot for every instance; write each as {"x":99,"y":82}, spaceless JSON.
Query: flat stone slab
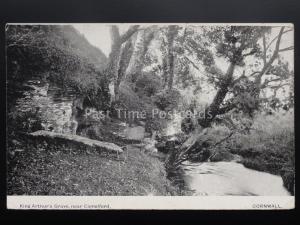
{"x":134,"y":133}
{"x":105,"y":146}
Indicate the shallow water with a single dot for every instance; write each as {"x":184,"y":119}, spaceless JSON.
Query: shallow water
{"x":230,"y":178}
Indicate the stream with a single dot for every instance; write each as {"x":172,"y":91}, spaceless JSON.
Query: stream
{"x":230,"y":178}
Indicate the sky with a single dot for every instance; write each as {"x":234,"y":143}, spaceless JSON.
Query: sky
{"x":99,"y":35}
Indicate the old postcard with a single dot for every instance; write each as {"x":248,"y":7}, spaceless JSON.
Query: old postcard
{"x":150,"y":116}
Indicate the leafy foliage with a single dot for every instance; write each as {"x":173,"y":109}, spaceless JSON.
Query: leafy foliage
{"x":167,"y":100}
{"x":239,"y":42}
{"x":148,"y":83}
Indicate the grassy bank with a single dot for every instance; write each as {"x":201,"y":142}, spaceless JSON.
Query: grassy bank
{"x":45,"y":168}
{"x":269,"y":147}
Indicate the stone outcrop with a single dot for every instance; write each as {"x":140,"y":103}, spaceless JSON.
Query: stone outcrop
{"x":58,"y":109}
{"x":50,"y":104}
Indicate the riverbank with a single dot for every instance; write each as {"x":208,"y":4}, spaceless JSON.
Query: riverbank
{"x":271,"y":160}
{"x":271,"y":157}
{"x":268,"y":146}
{"x":51,"y":168}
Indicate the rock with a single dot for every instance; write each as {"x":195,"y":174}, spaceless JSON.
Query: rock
{"x":150,"y":149}
{"x":237,"y":158}
{"x":104,"y":146}
{"x":46,"y":103}
{"x":15,"y":142}
{"x":134,"y":133}
{"x":150,"y":145}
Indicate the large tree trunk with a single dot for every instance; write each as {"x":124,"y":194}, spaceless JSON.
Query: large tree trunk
{"x":171,"y":70}
{"x":214,"y":108}
{"x":179,"y":155}
{"x":125,"y":57}
{"x":113,"y":60}
{"x":172,"y":32}
{"x":139,"y":57}
{"x":112,"y":69}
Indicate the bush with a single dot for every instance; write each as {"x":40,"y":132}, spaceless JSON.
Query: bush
{"x":167,"y":99}
{"x":149,"y":84}
{"x":269,"y":146}
{"x":23,"y":122}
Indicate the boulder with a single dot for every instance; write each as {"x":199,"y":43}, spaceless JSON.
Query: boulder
{"x":150,"y":145}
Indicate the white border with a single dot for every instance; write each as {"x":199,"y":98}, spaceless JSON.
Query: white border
{"x":151,"y":202}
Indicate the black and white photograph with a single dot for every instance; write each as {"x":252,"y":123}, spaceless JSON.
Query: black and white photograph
{"x":157,"y":111}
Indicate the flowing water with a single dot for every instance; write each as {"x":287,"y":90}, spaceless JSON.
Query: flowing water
{"x":230,"y":178}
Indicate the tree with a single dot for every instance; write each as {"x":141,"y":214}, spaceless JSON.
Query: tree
{"x":112,"y":69}
{"x":235,"y":45}
{"x":171,"y":35}
{"x":234,"y":91}
{"x":140,"y":54}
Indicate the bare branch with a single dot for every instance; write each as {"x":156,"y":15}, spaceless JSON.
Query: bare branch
{"x":286,"y":49}
{"x":193,"y":64}
{"x":274,"y":56}
{"x":275,"y":38}
{"x":250,"y":53}
{"x":240,"y":78}
{"x":129,"y":33}
{"x":7,"y":26}
{"x":279,"y":86}
{"x":264,"y":50}
{"x":114,"y":32}
{"x":266,"y":82}
{"x":252,"y":74}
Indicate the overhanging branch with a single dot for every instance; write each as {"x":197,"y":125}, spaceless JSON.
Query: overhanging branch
{"x":286,"y":49}
{"x":129,"y":33}
{"x":275,"y":38}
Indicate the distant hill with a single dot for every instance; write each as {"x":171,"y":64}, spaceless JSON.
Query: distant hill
{"x":82,"y":47}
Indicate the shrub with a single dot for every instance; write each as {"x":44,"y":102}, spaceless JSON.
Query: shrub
{"x":23,"y":122}
{"x":167,"y":99}
{"x":269,"y":146}
{"x":149,"y":84}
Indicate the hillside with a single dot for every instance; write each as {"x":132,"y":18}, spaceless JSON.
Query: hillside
{"x":52,"y":53}
{"x":82,"y":47}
